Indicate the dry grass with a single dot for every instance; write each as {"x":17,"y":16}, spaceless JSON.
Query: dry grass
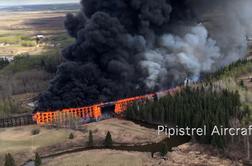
{"x":187,"y":154}
{"x":20,"y":138}
{"x":21,"y":143}
{"x":27,"y":20}
{"x":17,"y":25}
{"x":123,"y":131}
{"x":100,"y":158}
{"x":24,"y":99}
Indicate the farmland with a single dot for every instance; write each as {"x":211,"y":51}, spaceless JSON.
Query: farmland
{"x":33,"y":63}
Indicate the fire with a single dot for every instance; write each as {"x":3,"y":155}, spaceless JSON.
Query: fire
{"x":60,"y":115}
{"x":94,"y":111}
{"x":123,"y":104}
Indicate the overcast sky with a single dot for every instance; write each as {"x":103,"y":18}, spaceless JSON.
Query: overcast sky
{"x":29,"y":2}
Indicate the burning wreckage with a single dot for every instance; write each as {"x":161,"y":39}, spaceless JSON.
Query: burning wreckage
{"x":98,"y":111}
{"x":128,"y":48}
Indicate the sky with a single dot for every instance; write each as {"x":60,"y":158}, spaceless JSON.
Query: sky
{"x":29,"y":2}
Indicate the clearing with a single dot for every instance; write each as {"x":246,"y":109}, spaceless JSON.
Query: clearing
{"x":124,"y":131}
{"x":22,"y":144}
{"x":18,"y":32}
{"x":187,"y":154}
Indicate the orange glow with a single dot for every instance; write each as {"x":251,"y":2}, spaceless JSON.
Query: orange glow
{"x":60,"y":115}
{"x":123,"y":104}
{"x":94,"y":111}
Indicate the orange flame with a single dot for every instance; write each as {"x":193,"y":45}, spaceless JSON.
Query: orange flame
{"x":93,"y":111}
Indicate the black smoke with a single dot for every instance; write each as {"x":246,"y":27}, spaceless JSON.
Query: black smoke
{"x":103,"y":63}
{"x":114,"y":52}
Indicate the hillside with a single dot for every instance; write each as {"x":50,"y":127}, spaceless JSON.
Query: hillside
{"x":26,"y":66}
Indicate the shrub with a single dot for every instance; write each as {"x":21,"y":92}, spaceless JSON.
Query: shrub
{"x":242,"y":83}
{"x":27,"y":38}
{"x":35,"y":131}
{"x":9,"y":161}
{"x":8,"y":106}
{"x":71,"y":136}
{"x":37,"y":161}
{"x":90,"y":139}
{"x":3,"y":62}
{"x":27,"y":44}
{"x":47,"y":61}
{"x":10,"y":39}
{"x":108,"y":140}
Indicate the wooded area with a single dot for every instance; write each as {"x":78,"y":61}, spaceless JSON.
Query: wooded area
{"x":193,"y":107}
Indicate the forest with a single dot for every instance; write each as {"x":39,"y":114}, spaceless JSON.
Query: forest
{"x":193,"y":107}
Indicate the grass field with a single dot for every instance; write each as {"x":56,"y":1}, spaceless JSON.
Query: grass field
{"x":100,"y":158}
{"x":20,"y":142}
{"x":19,"y":29}
{"x":187,"y":154}
{"x":36,"y":63}
{"x":124,"y":131}
{"x":20,"y":138}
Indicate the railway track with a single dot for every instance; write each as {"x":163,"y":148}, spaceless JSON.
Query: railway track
{"x":93,"y":112}
{"x":15,"y":121}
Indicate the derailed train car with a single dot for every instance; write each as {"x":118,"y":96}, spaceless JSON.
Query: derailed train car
{"x":98,"y":111}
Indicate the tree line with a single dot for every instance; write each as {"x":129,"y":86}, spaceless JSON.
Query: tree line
{"x":241,"y":66}
{"x":3,"y":62}
{"x":193,"y":108}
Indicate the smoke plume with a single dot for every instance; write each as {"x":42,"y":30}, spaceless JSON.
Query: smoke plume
{"x":178,"y":57}
{"x":130,"y":47}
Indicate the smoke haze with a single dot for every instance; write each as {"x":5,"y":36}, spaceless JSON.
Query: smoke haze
{"x":131,"y":47}
{"x":176,"y":57}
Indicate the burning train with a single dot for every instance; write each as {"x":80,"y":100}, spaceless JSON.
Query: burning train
{"x":97,"y":111}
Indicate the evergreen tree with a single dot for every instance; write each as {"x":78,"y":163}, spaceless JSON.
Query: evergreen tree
{"x":37,"y":160}
{"x":242,"y":84}
{"x":194,"y":107}
{"x":71,"y":136}
{"x":9,"y":160}
{"x":90,"y":139}
{"x":164,"y":149}
{"x":108,"y":140}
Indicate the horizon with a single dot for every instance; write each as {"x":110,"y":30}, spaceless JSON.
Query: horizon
{"x":11,"y":3}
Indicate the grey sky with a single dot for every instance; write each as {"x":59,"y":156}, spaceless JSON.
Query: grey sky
{"x":29,"y":2}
